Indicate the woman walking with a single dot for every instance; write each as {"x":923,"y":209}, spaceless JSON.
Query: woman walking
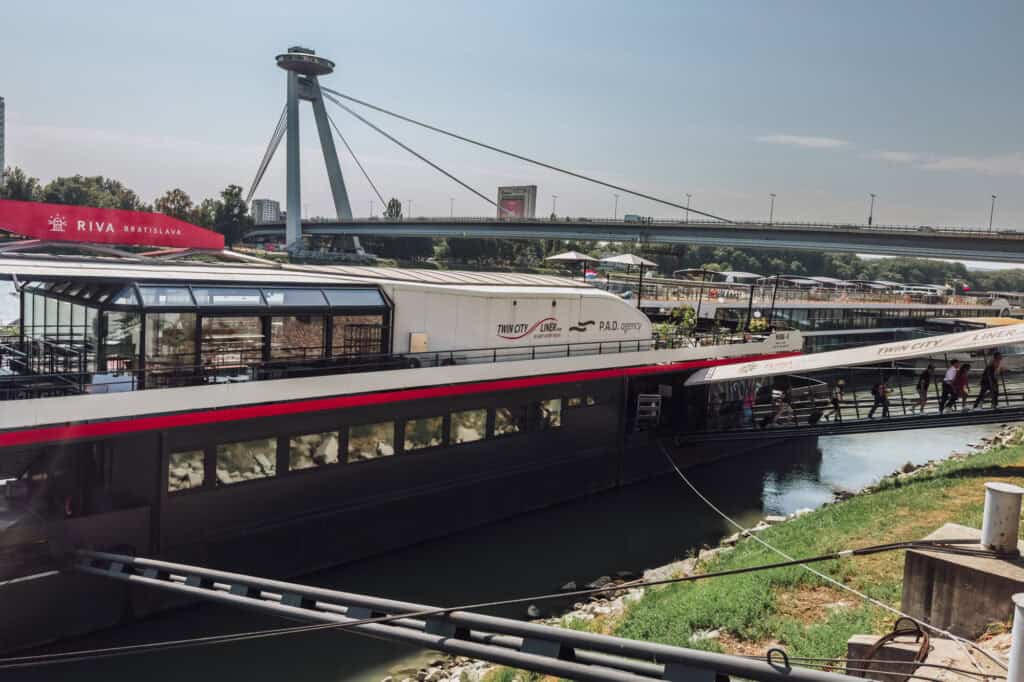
{"x":961,"y":386}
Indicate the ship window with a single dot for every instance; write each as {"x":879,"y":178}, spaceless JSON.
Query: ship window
{"x":312,"y":450}
{"x":354,"y":298}
{"x":232,"y":341}
{"x":549,"y":414}
{"x":170,"y":341}
{"x":581,"y":401}
{"x":371,"y":441}
{"x":227,"y":296}
{"x":246,"y":461}
{"x":186,"y":470}
{"x":509,"y":420}
{"x":297,"y":297}
{"x":426,"y":432}
{"x":126,"y":297}
{"x":122,"y":341}
{"x":166,"y":296}
{"x":468,"y":426}
{"x":297,"y":336}
{"x":357,"y":334}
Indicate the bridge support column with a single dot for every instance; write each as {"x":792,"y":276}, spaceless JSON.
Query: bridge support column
{"x":293,"y":222}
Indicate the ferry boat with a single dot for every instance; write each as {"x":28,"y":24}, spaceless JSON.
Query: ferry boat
{"x":279,"y":418}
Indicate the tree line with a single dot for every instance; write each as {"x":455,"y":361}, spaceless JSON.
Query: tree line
{"x":229,"y":215}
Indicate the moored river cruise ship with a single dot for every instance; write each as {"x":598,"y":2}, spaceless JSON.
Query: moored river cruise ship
{"x":282,"y":418}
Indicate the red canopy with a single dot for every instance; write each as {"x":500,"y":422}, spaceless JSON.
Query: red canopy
{"x":59,"y":222}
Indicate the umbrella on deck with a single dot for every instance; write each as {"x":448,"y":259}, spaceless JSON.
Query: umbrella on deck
{"x":572,"y":257}
{"x":628,"y":259}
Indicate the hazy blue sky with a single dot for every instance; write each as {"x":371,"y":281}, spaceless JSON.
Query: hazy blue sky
{"x":820,"y":102}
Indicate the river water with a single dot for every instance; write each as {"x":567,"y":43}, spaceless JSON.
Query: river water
{"x":638,"y":527}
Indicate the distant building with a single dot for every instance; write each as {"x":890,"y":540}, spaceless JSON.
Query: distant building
{"x":266,"y":211}
{"x":518,"y":202}
{"x":2,"y":132}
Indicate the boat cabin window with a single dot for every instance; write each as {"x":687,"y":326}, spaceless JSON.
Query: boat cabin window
{"x":468,"y":426}
{"x":227,"y":296}
{"x":186,"y":470}
{"x":166,"y":296}
{"x":357,"y":334}
{"x":231,"y":342}
{"x":509,"y":420}
{"x":170,"y":341}
{"x":371,"y":441}
{"x":121,"y":343}
{"x":581,"y":401}
{"x":297,"y":336}
{"x":295,"y":297}
{"x":549,"y":414}
{"x":312,"y":450}
{"x":426,"y":432}
{"x":246,"y":461}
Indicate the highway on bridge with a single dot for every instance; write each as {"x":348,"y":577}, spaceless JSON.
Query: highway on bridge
{"x":884,"y":240}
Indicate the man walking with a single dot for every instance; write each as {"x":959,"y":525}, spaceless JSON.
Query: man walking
{"x":949,"y":395}
{"x":990,"y":381}
{"x":880,"y":391}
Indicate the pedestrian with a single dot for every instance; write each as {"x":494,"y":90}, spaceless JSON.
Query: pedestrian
{"x":749,"y":398}
{"x":880,"y":392}
{"x":990,"y":381}
{"x":948,"y":394}
{"x":962,"y":386}
{"x":924,"y":382}
{"x":836,"y":398}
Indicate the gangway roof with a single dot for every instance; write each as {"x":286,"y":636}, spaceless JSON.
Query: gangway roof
{"x":948,"y":344}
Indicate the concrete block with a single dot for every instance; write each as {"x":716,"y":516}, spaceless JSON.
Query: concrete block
{"x":901,"y":651}
{"x":962,"y":594}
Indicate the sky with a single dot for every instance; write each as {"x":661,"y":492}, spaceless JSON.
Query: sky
{"x":819,"y":103}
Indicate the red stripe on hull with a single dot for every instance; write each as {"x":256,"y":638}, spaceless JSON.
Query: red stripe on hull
{"x":113,"y":427}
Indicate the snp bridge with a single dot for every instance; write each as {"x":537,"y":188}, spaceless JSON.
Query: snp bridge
{"x":888,"y":240}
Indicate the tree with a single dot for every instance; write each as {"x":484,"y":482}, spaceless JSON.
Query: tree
{"x":231,"y":216}
{"x":175,"y":203}
{"x":205,"y":213}
{"x":394,"y":209}
{"x":19,"y":186}
{"x":96,"y":191}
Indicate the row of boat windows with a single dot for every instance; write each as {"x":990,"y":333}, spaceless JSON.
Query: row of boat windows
{"x":257,"y":459}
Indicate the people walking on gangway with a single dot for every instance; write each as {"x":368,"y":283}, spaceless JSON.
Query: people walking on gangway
{"x":990,"y":381}
{"x":924,"y":383}
{"x":880,"y":392}
{"x":836,"y":398}
{"x":962,"y":386}
{"x":948,"y":393}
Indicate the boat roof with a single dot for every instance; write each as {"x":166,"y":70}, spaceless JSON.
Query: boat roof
{"x":38,"y":267}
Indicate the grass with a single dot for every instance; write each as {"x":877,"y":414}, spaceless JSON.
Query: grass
{"x":785,"y":605}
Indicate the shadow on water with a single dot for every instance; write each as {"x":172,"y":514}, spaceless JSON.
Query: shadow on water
{"x":644,"y":525}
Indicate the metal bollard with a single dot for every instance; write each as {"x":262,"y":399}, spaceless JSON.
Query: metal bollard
{"x":1001,"y":522}
{"x":1016,"y":671}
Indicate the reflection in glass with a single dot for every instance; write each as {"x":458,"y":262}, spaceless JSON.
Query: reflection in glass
{"x":357,"y":334}
{"x":370,"y":441}
{"x":122,"y":341}
{"x":549,"y":414}
{"x":468,"y":426}
{"x":509,"y":420}
{"x":217,"y":296}
{"x":294,"y":297}
{"x":186,"y":470}
{"x":312,"y":450}
{"x":355,"y":298}
{"x":232,"y":341}
{"x":426,"y":432}
{"x":246,"y":461}
{"x":166,"y":296}
{"x":170,"y":340}
{"x":297,"y":336}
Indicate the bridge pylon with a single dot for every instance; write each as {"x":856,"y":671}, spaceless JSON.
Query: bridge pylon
{"x":304,"y":68}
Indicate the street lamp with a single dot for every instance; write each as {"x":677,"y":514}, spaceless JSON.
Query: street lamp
{"x":871,"y":211}
{"x":991,"y":212}
{"x":771,"y":209}
{"x":451,"y":207}
{"x":554,"y":203}
{"x":688,"y":197}
{"x":615,"y":212}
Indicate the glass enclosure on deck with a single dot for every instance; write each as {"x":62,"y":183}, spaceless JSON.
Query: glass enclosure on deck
{"x":176,"y":334}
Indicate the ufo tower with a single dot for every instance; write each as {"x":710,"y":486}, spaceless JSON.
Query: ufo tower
{"x":304,"y":67}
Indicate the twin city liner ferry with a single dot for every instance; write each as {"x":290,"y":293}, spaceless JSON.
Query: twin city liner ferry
{"x":282,"y":418}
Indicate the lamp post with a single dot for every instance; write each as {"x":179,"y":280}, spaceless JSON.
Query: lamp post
{"x":688,"y":197}
{"x":871,"y":210}
{"x":451,"y":207}
{"x":615,"y":211}
{"x":771,"y":209}
{"x":554,"y":203}
{"x":991,"y":212}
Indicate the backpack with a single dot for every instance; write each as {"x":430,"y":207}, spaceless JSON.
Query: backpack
{"x":876,"y":390}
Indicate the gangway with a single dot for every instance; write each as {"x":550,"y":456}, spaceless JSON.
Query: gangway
{"x":541,"y":648}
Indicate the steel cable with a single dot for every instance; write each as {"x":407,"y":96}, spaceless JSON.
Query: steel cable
{"x":520,"y":157}
{"x":275,"y":140}
{"x":356,"y":159}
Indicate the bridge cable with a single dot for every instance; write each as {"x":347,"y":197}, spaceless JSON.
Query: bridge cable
{"x":416,"y":154}
{"x":827,"y":578}
{"x":520,"y":157}
{"x":275,"y":141}
{"x":356,"y":159}
{"x":940,"y":546}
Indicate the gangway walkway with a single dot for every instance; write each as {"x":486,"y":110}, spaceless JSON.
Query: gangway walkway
{"x":551,"y":650}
